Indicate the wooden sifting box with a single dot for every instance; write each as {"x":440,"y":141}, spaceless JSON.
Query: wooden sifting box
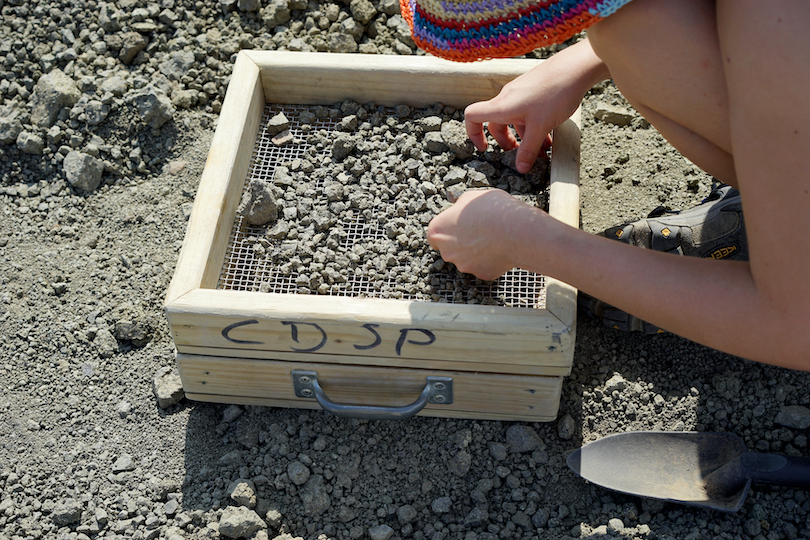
{"x":360,"y":356}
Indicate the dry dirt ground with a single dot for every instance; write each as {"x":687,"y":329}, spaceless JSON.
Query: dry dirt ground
{"x":85,"y":450}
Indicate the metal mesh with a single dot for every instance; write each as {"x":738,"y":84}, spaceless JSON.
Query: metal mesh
{"x":244,"y":270}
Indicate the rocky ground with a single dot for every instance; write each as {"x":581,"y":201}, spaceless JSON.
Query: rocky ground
{"x":106,"y":115}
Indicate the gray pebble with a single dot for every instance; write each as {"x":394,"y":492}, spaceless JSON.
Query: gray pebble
{"x":615,"y":525}
{"x":442,"y":505}
{"x":498,"y":451}
{"x":153,"y":105}
{"x":273,"y":517}
{"x":346,"y":514}
{"x":380,"y":532}
{"x":298,"y":473}
{"x":277,"y":124}
{"x":233,"y":457}
{"x":131,"y":44}
{"x":239,"y":522}
{"x":523,"y":521}
{"x":231,"y":413}
{"x":259,"y":203}
{"x":105,"y":343}
{"x":52,"y":92}
{"x":124,"y":408}
{"x":460,"y":463}
{"x":30,"y":143}
{"x":794,"y":416}
{"x":82,"y":171}
{"x":243,"y":492}
{"x":612,"y":114}
{"x":454,"y":192}
{"x":406,"y":514}
{"x":476,"y":518}
{"x":541,"y":517}
{"x":521,"y":438}
{"x":10,"y":129}
{"x":167,"y":386}
{"x":171,"y":507}
{"x":454,"y":136}
{"x":177,"y":65}
{"x":67,"y":512}
{"x":566,"y":428}
{"x":124,"y":463}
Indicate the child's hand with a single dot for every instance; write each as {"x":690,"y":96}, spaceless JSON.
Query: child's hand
{"x":535,"y":103}
{"x":481,"y":231}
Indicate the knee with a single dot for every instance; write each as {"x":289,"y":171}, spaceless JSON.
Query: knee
{"x":626,"y":33}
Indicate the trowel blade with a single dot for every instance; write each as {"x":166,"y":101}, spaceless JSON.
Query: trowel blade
{"x":671,"y":466}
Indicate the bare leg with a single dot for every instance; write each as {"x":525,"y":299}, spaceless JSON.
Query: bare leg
{"x":665,"y":58}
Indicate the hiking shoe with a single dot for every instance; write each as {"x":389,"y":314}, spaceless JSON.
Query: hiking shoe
{"x":712,"y":230}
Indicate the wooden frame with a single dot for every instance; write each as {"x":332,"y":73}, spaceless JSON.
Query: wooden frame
{"x":255,"y":333}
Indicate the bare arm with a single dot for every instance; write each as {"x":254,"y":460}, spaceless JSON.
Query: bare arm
{"x":716,"y":303}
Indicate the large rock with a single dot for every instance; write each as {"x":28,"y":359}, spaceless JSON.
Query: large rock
{"x":167,"y":387}
{"x":276,"y":12}
{"x":67,"y":512}
{"x":108,"y":18}
{"x":52,"y":92}
{"x":131,"y":44}
{"x":362,"y":11}
{"x":455,"y":137}
{"x":794,"y":416}
{"x":259,"y":206}
{"x":177,"y":65}
{"x":342,"y":43}
{"x":10,"y":129}
{"x":243,"y":492}
{"x":153,"y":105}
{"x":240,"y":522}
{"x":314,"y":496}
{"x":83,"y":171}
{"x":30,"y":143}
{"x":612,"y":114}
{"x":523,"y":439}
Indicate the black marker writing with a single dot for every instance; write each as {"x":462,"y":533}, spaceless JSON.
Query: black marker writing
{"x":294,"y":330}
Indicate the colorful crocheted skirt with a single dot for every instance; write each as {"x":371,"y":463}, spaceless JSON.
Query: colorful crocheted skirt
{"x":467,"y":30}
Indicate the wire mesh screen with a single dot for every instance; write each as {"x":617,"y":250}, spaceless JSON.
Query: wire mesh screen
{"x":246,"y":270}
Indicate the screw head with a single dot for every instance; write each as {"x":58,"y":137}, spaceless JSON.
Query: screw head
{"x":306,"y":392}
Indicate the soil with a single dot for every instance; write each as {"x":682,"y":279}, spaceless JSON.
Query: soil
{"x":343,"y":210}
{"x":86,"y":450}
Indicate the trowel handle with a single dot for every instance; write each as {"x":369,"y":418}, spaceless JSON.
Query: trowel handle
{"x":777,"y":469}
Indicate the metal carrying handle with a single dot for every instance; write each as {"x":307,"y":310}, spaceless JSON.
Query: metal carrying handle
{"x":438,"y":390}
